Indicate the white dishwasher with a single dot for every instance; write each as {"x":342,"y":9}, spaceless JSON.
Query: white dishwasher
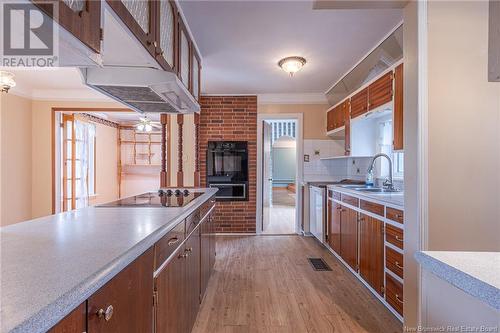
{"x":317,"y":196}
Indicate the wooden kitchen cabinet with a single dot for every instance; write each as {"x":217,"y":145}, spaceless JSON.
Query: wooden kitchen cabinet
{"x":346,"y":106}
{"x":371,"y":252}
{"x":330,"y":120}
{"x":334,"y":217}
{"x":349,"y":236}
{"x":140,"y":18}
{"x":166,"y":35}
{"x":76,"y":321}
{"x":397,"y":115}
{"x":184,"y":55}
{"x":359,"y":103}
{"x":380,"y":91}
{"x":82,"y":18}
{"x":335,"y":117}
{"x":124,"y":304}
{"x":193,"y":275}
{"x":170,"y":295}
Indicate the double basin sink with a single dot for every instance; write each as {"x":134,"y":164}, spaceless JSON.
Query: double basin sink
{"x":371,"y":189}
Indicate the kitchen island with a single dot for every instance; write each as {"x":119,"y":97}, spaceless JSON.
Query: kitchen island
{"x":52,"y":265}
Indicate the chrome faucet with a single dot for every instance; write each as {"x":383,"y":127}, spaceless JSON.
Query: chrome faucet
{"x":388,"y":184}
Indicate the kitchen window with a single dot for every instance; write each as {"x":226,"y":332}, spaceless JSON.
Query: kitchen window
{"x":385,"y":146}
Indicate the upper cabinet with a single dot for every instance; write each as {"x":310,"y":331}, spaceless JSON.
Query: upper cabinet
{"x":139,"y":17}
{"x":81,"y":18}
{"x":184,"y":55}
{"x":380,"y":91}
{"x":359,"y":103}
{"x":196,"y":75}
{"x":397,"y":114}
{"x":166,"y":36}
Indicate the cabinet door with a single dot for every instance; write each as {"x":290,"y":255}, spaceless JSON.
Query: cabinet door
{"x":359,"y":103}
{"x":166,"y":35}
{"x":346,"y":109}
{"x":334,"y":226}
{"x":371,"y":252}
{"x":82,"y":18}
{"x":397,"y":115}
{"x":380,"y":91}
{"x":184,"y":70}
{"x":125,"y":303}
{"x":76,"y":321}
{"x":192,"y":278}
{"x":139,"y":17}
{"x":330,"y":120}
{"x":196,"y":76}
{"x":213,"y":230}
{"x":205,"y":255}
{"x":349,"y":237}
{"x":170,"y":290}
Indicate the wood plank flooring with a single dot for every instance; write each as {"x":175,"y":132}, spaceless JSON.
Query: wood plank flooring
{"x":282,"y":213}
{"x":266,"y":284}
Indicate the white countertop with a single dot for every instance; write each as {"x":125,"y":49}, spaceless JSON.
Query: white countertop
{"x":52,"y":264}
{"x":394,"y":199}
{"x":476,"y":273}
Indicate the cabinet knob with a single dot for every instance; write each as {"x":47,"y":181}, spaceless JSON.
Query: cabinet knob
{"x":183,"y":256}
{"x":189,"y":249}
{"x":398,"y":265}
{"x":399,"y":299}
{"x":399,"y":238}
{"x":106,"y":314}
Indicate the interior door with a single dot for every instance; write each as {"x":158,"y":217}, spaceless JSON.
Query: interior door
{"x":267,"y":180}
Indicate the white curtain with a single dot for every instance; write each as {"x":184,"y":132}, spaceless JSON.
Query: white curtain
{"x":84,"y":135}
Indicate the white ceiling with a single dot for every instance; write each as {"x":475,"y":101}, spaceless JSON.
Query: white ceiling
{"x":242,"y":41}
{"x":61,"y":83}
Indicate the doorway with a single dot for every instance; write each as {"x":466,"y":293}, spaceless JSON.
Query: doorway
{"x":279,"y":176}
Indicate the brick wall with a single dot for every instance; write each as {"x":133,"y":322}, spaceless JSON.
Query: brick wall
{"x":232,"y":118}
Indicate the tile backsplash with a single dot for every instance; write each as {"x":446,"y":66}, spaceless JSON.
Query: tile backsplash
{"x":334,"y":169}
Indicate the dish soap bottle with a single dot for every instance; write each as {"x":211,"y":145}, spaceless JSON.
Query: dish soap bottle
{"x":369,"y":178}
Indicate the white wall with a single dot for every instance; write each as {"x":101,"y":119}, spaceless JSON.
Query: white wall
{"x":464,"y":130}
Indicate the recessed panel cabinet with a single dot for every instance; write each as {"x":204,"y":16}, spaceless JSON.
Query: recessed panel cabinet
{"x":82,"y":18}
{"x":167,"y":35}
{"x":397,"y":115}
{"x":359,"y":103}
{"x":380,"y":91}
{"x":124,"y":304}
{"x":349,"y":236}
{"x":371,"y":252}
{"x":334,"y":226}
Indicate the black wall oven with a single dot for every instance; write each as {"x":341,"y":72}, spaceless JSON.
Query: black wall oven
{"x":227,"y":169}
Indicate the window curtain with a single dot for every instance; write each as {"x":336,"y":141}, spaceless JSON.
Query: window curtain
{"x":84,"y":135}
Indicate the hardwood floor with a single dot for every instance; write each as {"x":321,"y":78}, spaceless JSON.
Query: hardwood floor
{"x":266,"y":284}
{"x":282,"y":213}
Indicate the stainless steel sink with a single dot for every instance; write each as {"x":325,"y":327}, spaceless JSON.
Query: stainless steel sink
{"x":354,"y":186}
{"x":377,"y":190}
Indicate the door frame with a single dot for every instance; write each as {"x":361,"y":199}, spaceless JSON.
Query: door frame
{"x":298,"y":117}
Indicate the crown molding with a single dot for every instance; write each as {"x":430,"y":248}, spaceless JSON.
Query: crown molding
{"x":304,"y":98}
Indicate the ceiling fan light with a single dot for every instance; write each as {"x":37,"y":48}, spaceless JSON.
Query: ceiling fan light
{"x":148,"y":127}
{"x":291,"y":65}
{"x":140,"y":127}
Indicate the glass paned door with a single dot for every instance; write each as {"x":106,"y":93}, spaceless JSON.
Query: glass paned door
{"x":68,"y":163}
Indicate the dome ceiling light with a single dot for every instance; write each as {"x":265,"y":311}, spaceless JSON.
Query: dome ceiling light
{"x":291,"y":65}
{"x":6,"y":81}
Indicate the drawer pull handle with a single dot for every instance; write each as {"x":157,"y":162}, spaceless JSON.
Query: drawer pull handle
{"x":189,"y":249}
{"x":172,"y":241}
{"x":398,"y":265}
{"x":399,"y":238}
{"x":398,"y":216}
{"x":182,"y":256}
{"x":399,"y":299}
{"x":106,"y":314}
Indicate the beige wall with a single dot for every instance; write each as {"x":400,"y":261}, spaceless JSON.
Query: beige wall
{"x":106,"y":164}
{"x":314,"y":117}
{"x":464,"y":127}
{"x":16,"y":154}
{"x":42,"y":150}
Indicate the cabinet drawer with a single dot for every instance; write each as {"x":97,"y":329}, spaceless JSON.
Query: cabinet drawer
{"x":394,"y":261}
{"x":206,"y":207}
{"x":350,"y":200}
{"x":192,"y":221}
{"x":394,"y":235}
{"x":335,"y":195}
{"x":372,"y":207}
{"x":394,"y":214}
{"x":167,"y":245}
{"x":394,"y":293}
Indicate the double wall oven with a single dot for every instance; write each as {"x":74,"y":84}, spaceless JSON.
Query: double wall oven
{"x":227,"y":169}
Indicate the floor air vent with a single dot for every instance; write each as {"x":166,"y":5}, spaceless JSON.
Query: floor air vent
{"x":319,"y":264}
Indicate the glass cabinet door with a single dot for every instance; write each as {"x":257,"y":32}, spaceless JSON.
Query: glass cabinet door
{"x":196,"y":77}
{"x":167,"y":32}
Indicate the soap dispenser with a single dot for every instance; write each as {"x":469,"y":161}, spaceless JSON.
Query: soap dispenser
{"x":369,"y":178}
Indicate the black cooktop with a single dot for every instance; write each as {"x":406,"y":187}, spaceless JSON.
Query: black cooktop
{"x":162,"y":198}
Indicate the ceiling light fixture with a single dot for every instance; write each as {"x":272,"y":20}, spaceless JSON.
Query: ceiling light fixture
{"x":291,"y":65}
{"x":144,"y":125}
{"x":6,"y":81}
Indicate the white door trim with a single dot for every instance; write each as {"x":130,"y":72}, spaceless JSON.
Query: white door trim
{"x":298,"y":117}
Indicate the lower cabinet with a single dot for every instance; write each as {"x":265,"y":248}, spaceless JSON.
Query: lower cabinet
{"x":349,"y":236}
{"x":170,"y":290}
{"x":193,"y":275}
{"x":124,"y":303}
{"x":76,"y":321}
{"x":334,"y":226}
{"x":371,"y":252}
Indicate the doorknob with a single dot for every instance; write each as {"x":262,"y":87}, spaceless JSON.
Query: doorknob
{"x":270,"y":179}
